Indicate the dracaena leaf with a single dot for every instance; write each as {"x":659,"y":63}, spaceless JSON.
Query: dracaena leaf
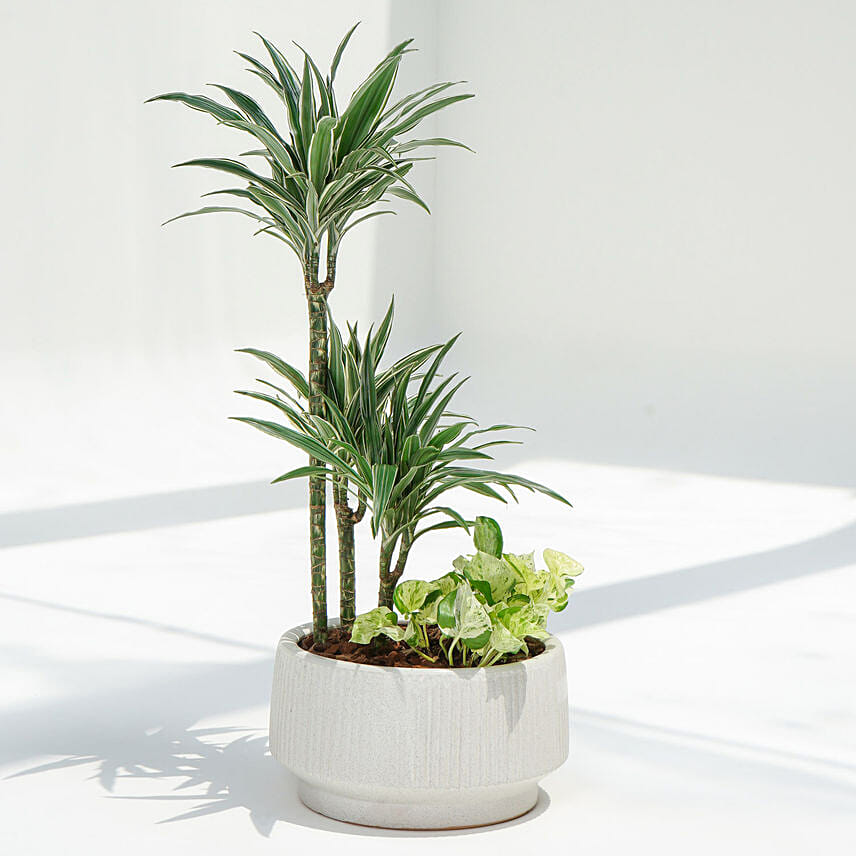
{"x":321,"y":152}
{"x":359,"y":117}
{"x":383,"y":481}
{"x":410,"y":145}
{"x":299,"y":473}
{"x":286,"y":370}
{"x":248,"y":106}
{"x":200,"y":102}
{"x":219,"y":209}
{"x":307,"y":105}
{"x":409,"y":195}
{"x":414,"y":118}
{"x":273,"y":144}
{"x":334,"y":65}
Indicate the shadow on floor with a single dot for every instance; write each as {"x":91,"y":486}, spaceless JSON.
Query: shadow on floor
{"x":652,"y":593}
{"x":130,"y":514}
{"x":142,"y":732}
{"x":148,"y":624}
{"x":138,"y":720}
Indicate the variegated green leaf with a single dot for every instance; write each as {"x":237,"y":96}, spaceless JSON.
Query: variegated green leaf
{"x":286,"y":370}
{"x":562,"y":564}
{"x":410,"y":595}
{"x":299,"y":473}
{"x":307,"y":105}
{"x":219,"y":209}
{"x":200,"y":102}
{"x":462,"y":618}
{"x":334,"y":65}
{"x":366,"y":105}
{"x":487,"y":536}
{"x":321,"y":152}
{"x":496,"y":572}
{"x":410,"y":145}
{"x":378,"y":622}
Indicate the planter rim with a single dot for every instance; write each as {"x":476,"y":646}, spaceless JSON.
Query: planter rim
{"x":291,"y":637}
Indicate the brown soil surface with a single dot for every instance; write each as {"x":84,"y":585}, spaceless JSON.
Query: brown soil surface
{"x":384,"y":652}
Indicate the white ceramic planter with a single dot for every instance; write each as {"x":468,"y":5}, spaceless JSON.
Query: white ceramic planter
{"x":418,"y":748}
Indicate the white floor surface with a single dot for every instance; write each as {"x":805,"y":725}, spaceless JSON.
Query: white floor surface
{"x":711,"y":651}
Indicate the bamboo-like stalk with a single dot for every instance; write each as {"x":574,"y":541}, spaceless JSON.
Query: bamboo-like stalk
{"x":389,"y":575}
{"x":316,"y":296}
{"x":346,"y":519}
{"x":347,"y":562}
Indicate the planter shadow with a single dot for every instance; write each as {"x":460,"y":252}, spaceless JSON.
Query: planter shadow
{"x":241,"y":775}
{"x":122,"y":732}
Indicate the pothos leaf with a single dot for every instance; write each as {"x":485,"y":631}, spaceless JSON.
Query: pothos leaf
{"x":410,"y":596}
{"x":497,"y":573}
{"x":562,"y":563}
{"x":461,"y":617}
{"x":380,"y":621}
{"x":487,"y":536}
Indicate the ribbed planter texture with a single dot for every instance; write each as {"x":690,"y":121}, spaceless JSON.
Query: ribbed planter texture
{"x":418,"y":748}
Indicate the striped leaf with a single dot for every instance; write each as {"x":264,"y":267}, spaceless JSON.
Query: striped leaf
{"x":218,"y":209}
{"x":301,"y":472}
{"x":286,"y":370}
{"x":361,"y":114}
{"x":383,"y":481}
{"x":334,"y":65}
{"x":402,"y":148}
{"x":321,"y":152}
{"x":200,"y":102}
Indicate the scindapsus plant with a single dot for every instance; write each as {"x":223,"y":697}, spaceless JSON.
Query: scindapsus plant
{"x":491,"y":607}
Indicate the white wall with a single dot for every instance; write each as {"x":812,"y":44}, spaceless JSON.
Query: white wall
{"x":116,"y":335}
{"x":652,"y":254}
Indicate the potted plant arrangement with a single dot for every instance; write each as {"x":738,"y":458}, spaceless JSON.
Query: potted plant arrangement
{"x":443,"y":706}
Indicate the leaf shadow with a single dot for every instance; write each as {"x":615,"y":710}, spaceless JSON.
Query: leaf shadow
{"x":141,"y":741}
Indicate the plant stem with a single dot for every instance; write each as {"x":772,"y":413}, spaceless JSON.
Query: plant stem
{"x":422,"y":654}
{"x":389,"y":576}
{"x":345,"y":521}
{"x":489,"y":658}
{"x":384,"y":597}
{"x":316,"y":296}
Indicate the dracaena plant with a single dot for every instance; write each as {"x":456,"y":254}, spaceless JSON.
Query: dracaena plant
{"x":389,"y":440}
{"x":323,"y":171}
{"x":345,"y":368}
{"x":482,"y":612}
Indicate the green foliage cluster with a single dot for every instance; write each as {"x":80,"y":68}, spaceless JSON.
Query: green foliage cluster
{"x":385,"y":439}
{"x":319,"y":174}
{"x":325,"y":166}
{"x":486,"y":607}
{"x":389,"y":439}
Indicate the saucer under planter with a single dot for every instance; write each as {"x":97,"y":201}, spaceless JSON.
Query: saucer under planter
{"x":418,"y":748}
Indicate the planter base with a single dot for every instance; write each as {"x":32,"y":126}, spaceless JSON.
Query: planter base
{"x":425,"y":810}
